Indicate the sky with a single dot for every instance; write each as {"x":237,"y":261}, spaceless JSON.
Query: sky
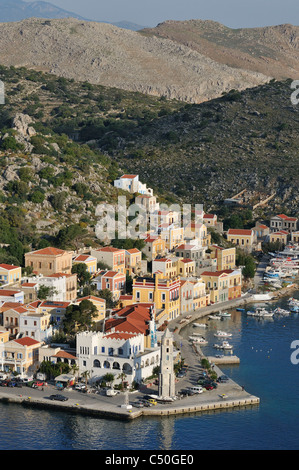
{"x":232,"y":13}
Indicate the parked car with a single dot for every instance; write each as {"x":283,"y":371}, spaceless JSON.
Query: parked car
{"x":152,"y":401}
{"x":13,"y":383}
{"x":208,"y":387}
{"x":138,"y":404}
{"x":80,"y":386}
{"x":58,"y":397}
{"x":38,"y":383}
{"x":181,"y":373}
{"x":187,"y":392}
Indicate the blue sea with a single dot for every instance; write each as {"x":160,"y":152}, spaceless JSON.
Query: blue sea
{"x":265,"y":370}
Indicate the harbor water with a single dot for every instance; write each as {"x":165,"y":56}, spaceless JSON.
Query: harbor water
{"x":266,"y":370}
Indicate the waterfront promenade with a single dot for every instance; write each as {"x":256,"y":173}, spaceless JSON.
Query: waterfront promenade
{"x":227,"y":395}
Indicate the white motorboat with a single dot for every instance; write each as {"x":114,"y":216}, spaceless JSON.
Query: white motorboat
{"x":222,"y":334}
{"x":223,"y":345}
{"x":200,"y":325}
{"x":260,"y":312}
{"x":281,"y":311}
{"x":198,"y":340}
{"x":214,"y":317}
{"x":224,"y":314}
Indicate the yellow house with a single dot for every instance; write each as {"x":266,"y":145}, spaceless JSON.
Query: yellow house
{"x":173,"y":266}
{"x":186,"y":267}
{"x":10,"y":274}
{"x":4,"y":335}
{"x":244,"y":238}
{"x":133,"y":258}
{"x":98,"y":302}
{"x":21,"y":355}
{"x":281,"y":236}
{"x":113,"y":257}
{"x":295,"y":237}
{"x":223,"y":285}
{"x":198,"y":231}
{"x":226,"y":257}
{"x":154,"y":246}
{"x":49,"y":261}
{"x":173,"y":235}
{"x":165,"y":293}
{"x":90,"y":261}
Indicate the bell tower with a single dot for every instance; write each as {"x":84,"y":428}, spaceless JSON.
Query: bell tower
{"x":166,"y":376}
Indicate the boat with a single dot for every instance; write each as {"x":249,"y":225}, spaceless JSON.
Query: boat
{"x":224,"y":314}
{"x":240,"y":309}
{"x":223,"y":345}
{"x":215,"y":317}
{"x":281,"y":311}
{"x":198,"y":340}
{"x":200,"y":325}
{"x":222,"y":334}
{"x":260,"y":312}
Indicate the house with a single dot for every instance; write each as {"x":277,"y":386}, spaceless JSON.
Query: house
{"x":56,"y":355}
{"x":132,"y":184}
{"x":11,"y":319}
{"x":244,"y":238}
{"x":63,"y":287}
{"x":98,"y":302}
{"x":154,"y":246}
{"x":223,"y":285}
{"x":36,"y":325}
{"x":90,"y":261}
{"x":226,"y":257}
{"x":193,"y":294}
{"x":199,"y":232}
{"x":116,"y":353}
{"x":7,"y":295}
{"x":20,"y":355}
{"x":172,"y":234}
{"x":30,"y":290}
{"x":49,"y":261}
{"x":283,"y":222}
{"x":147,"y":202}
{"x":136,"y":319}
{"x":210,"y":220}
{"x":56,"y":309}
{"x":10,"y":274}
{"x":113,"y":258}
{"x":133,"y":261}
{"x":4,"y":336}
{"x":295,"y":237}
{"x":69,"y":286}
{"x":261,"y":231}
{"x":194,"y":251}
{"x":163,"y":292}
{"x":281,"y":236}
{"x":167,"y":266}
{"x":111,"y":280}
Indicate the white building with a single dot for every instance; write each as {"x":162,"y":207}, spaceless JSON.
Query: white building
{"x":116,"y":353}
{"x":35,"y":325}
{"x":132,"y":184}
{"x":56,"y":283}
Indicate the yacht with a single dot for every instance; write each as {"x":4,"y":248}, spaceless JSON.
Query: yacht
{"x":222,"y":334}
{"x":223,"y":345}
{"x":198,"y":339}
{"x":200,"y":325}
{"x":224,"y":314}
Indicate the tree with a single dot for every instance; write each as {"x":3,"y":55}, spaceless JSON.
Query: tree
{"x":109,"y":378}
{"x":83,"y":275}
{"x":45,"y":291}
{"x":79,"y":317}
{"x":107,"y":295}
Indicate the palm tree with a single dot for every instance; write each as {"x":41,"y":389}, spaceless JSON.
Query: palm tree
{"x":85,"y":375}
{"x":75,"y":369}
{"x":122,"y":376}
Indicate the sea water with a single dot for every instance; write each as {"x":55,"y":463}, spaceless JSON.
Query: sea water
{"x":265,"y":370}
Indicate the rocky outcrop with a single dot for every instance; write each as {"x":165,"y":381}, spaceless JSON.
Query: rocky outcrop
{"x":103,"y":54}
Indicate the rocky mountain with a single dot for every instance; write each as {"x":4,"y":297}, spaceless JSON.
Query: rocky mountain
{"x":103,"y":54}
{"x":272,"y":50}
{"x":17,"y":10}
